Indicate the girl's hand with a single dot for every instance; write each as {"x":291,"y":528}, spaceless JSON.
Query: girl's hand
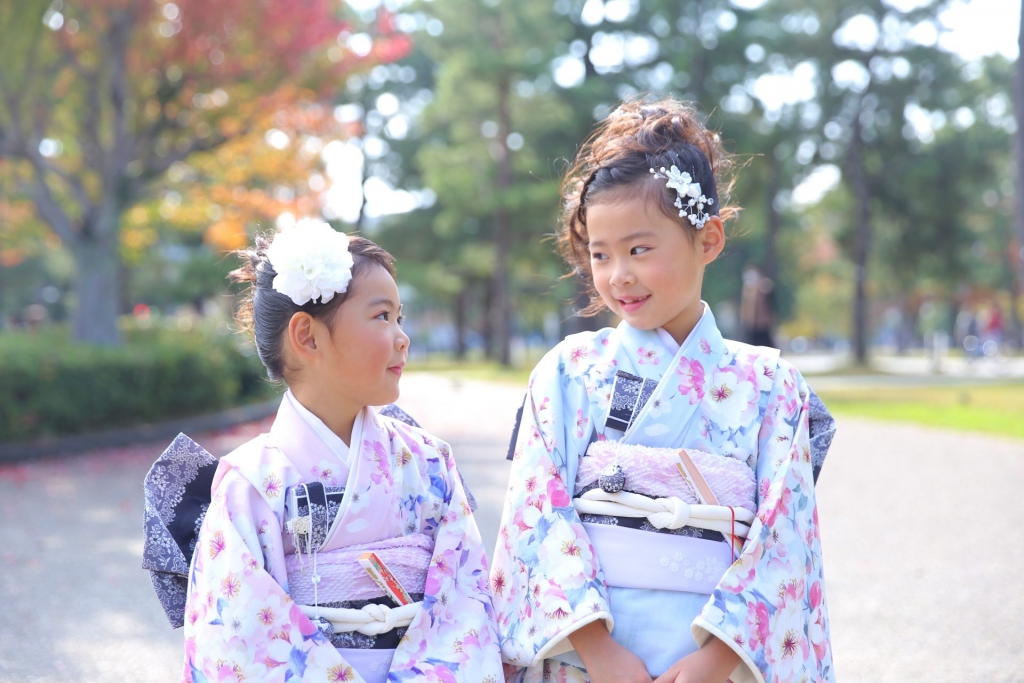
{"x":607,"y":661}
{"x":711,"y":664}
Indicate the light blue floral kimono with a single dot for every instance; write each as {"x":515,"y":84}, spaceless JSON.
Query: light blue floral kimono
{"x":712,"y":395}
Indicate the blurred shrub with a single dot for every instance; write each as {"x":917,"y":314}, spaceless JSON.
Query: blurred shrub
{"x":50,"y":386}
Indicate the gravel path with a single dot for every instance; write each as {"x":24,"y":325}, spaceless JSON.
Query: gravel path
{"x":919,"y":584}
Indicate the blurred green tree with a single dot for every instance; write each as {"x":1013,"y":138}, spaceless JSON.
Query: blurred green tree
{"x":484,"y":153}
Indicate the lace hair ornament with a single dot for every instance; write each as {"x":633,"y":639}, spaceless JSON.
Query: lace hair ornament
{"x":690,"y":200}
{"x":312,"y":261}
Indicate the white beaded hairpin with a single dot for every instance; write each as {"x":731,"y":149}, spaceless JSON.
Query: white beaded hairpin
{"x":690,"y":199}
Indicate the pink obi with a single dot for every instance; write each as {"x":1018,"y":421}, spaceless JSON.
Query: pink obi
{"x":343,"y":579}
{"x":653,"y":472}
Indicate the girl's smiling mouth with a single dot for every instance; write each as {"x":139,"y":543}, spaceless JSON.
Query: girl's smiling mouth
{"x":633,"y":303}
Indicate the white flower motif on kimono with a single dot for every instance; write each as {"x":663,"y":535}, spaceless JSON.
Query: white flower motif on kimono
{"x":312,"y":261}
{"x":786,"y":648}
{"x":562,"y":544}
{"x":659,"y":407}
{"x":730,"y":401}
{"x":326,"y":472}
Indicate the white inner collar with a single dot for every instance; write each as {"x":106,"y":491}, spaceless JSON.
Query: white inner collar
{"x":669,"y":341}
{"x":332,"y":440}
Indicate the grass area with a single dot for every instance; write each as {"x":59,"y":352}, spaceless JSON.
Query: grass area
{"x":994,"y":409}
{"x":991,"y":409}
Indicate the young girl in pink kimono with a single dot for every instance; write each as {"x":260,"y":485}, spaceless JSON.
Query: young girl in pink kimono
{"x":287,"y":582}
{"x":660,"y":521}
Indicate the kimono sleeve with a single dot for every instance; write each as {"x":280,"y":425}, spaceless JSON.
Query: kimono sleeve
{"x":770,"y":605}
{"x":545,"y":580}
{"x":453,"y":638}
{"x":239,"y":621}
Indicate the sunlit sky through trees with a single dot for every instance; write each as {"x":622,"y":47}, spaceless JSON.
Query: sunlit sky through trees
{"x":974,"y":29}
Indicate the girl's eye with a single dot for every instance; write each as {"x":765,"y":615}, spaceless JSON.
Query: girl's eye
{"x":597,"y":256}
{"x":383,"y":315}
{"x":401,"y":319}
{"x":636,"y":251}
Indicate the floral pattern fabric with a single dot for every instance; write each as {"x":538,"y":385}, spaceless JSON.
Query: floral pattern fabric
{"x":714,"y":395}
{"x":241,"y":623}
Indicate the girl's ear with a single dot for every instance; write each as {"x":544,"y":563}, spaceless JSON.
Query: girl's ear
{"x":301,"y":335}
{"x":711,"y":240}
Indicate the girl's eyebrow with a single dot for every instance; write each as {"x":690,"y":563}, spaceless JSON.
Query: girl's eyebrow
{"x":383,"y":301}
{"x":627,"y":238}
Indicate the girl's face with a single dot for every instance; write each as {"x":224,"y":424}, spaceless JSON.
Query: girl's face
{"x":359,"y":360}
{"x":646,"y":267}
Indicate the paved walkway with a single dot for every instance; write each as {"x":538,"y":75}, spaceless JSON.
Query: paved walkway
{"x":920,"y":584}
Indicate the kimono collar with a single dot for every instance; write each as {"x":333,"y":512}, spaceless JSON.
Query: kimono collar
{"x":704,"y":340}
{"x":304,"y":447}
{"x":332,"y":440}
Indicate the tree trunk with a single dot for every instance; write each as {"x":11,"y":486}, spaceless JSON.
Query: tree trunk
{"x":1018,"y":144}
{"x":97,"y":285}
{"x":500,"y":308}
{"x":487,"y":304}
{"x":862,"y":244}
{"x":460,"y":323}
{"x":770,"y":265}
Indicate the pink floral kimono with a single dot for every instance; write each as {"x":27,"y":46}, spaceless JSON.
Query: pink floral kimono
{"x":279,"y":548}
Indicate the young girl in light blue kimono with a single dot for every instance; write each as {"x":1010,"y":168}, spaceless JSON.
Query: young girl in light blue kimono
{"x":660,"y":521}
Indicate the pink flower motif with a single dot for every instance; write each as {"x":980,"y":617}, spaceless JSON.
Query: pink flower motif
{"x":217,"y":544}
{"x":340,"y":674}
{"x":692,"y":384}
{"x":647,"y":356}
{"x":815,"y":594}
{"x":272,"y":486}
{"x":231,"y":585}
{"x":325,"y":475}
{"x":578,"y":353}
{"x":705,"y":346}
{"x":758,"y":623}
{"x":719,"y":394}
{"x":581,"y":423}
{"x":380,"y":459}
{"x":557,"y":494}
{"x":266,"y":616}
{"x":773,"y":505}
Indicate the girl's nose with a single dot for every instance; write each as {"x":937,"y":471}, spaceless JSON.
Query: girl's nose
{"x":402,"y":341}
{"x":622,"y":276}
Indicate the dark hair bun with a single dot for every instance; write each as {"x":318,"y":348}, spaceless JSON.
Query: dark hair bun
{"x":267,"y":313}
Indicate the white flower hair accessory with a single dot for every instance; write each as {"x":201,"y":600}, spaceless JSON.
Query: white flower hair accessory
{"x":312,"y":261}
{"x":690,"y":200}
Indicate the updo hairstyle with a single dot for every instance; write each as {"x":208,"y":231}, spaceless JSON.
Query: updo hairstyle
{"x":266,"y":312}
{"x":615,"y":162}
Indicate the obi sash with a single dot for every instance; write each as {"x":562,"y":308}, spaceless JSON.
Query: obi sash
{"x":334,"y":590}
{"x":696,"y":511}
{"x":326,"y":579}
